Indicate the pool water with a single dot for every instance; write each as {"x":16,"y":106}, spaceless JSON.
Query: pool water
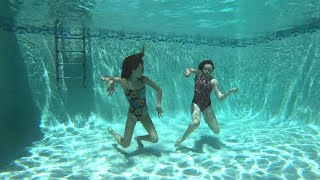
{"x":269,"y":128}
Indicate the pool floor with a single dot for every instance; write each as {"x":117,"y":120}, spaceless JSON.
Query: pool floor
{"x":246,"y":148}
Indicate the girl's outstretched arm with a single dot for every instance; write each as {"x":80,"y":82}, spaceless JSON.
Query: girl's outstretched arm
{"x":159,"y":94}
{"x":111,"y":81}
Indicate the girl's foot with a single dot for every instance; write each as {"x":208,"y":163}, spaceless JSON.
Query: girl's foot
{"x":115,"y":135}
{"x":111,"y":131}
{"x":140,"y":145}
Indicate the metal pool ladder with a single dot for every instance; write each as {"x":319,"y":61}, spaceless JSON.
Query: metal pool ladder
{"x":60,"y":51}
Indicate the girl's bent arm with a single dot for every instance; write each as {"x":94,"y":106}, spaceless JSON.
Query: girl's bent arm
{"x":155,"y":87}
{"x":192,"y":70}
{"x":159,"y":94}
{"x":214,"y":85}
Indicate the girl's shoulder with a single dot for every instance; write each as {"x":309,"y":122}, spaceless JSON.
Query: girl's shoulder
{"x":144,"y":79}
{"x":214,"y":81}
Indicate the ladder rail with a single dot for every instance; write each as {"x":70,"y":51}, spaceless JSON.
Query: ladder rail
{"x":84,"y":56}
{"x":56,"y":51}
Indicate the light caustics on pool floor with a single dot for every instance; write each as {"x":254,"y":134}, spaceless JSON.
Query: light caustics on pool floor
{"x":245,"y":149}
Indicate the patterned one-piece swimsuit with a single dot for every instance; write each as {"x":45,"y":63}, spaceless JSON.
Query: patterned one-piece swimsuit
{"x":137,"y":101}
{"x":202,"y":91}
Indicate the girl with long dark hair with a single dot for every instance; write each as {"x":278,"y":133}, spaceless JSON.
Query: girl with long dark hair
{"x":134,"y":84}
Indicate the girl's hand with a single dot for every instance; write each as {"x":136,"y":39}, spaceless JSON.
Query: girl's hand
{"x":105,"y":78}
{"x":188,"y":72}
{"x":110,"y":88}
{"x":159,"y":109}
{"x":234,"y":90}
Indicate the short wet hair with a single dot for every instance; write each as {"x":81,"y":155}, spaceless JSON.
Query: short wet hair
{"x":201,"y":65}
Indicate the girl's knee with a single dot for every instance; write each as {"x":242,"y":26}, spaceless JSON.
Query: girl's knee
{"x":195,"y":123}
{"x":216,"y":130}
{"x":154,"y":138}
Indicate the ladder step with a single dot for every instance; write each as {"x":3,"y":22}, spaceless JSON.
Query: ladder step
{"x":82,"y":51}
{"x":70,"y":63}
{"x":66,"y":37}
{"x":75,"y":77}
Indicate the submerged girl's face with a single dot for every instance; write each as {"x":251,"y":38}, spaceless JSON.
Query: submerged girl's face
{"x":138,"y":72}
{"x":207,"y":69}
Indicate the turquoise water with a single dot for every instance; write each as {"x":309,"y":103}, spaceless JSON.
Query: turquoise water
{"x":269,"y":129}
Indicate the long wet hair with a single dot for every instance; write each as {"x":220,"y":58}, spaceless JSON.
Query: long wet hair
{"x":130,"y":63}
{"x":201,"y":65}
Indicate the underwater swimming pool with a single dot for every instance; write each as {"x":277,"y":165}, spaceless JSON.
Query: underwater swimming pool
{"x":269,"y":128}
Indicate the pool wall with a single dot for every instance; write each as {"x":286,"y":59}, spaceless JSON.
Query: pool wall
{"x":19,"y":116}
{"x":277,"y":79}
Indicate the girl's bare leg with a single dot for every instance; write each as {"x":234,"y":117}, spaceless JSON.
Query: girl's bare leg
{"x":126,"y":140}
{"x":152,"y":133}
{"x":194,"y":124}
{"x":211,"y":120}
